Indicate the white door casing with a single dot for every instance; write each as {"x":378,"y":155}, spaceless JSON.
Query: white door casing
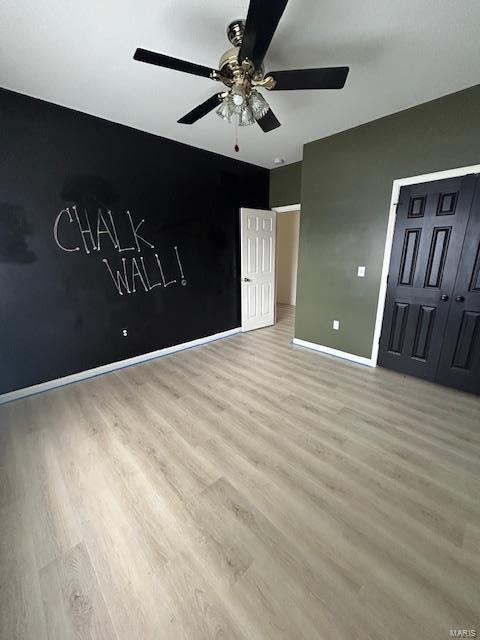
{"x":257,"y":238}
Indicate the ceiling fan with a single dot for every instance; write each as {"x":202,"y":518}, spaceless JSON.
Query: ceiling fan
{"x":241,"y":70}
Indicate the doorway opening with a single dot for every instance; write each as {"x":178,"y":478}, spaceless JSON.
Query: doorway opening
{"x":288,"y":235}
{"x":269,"y":257}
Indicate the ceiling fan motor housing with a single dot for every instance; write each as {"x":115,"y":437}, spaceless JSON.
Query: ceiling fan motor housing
{"x":235,"y":31}
{"x":229,"y":65}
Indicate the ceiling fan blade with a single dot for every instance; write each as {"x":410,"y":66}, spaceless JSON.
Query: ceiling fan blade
{"x":326,"y":78}
{"x":161,"y":60}
{"x":268,"y":122}
{"x":201,"y":110}
{"x":262,"y":21}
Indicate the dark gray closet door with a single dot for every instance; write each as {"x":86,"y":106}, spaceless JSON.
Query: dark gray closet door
{"x":428,"y":239}
{"x":460,"y":360}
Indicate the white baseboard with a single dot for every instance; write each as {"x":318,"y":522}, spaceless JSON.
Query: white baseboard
{"x":334,"y":352}
{"x":91,"y":373}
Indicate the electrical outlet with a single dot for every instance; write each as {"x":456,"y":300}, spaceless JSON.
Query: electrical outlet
{"x":336,"y":325}
{"x":361,"y":272}
{"x":124,"y":333}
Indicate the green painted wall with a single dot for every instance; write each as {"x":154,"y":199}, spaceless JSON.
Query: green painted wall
{"x":285,"y":185}
{"x":346,"y":190}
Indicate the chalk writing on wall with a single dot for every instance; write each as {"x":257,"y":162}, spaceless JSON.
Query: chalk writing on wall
{"x":132,"y":274}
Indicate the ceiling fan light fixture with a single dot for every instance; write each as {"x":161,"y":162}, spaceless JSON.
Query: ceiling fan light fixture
{"x":248,"y":112}
{"x":238,"y":95}
{"x":225,"y":109}
{"x":246,"y":117}
{"x":258,"y":104}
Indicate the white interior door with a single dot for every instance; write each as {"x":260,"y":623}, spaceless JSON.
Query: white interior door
{"x":258,"y":235}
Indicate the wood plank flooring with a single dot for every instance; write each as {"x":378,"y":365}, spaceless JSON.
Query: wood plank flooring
{"x":246,"y":489}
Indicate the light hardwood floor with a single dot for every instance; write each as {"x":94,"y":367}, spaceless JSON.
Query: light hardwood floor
{"x":246,"y":489}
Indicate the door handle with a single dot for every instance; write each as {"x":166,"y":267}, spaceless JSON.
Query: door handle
{"x":460,"y":299}
{"x":246,"y":279}
{"x":444,"y":297}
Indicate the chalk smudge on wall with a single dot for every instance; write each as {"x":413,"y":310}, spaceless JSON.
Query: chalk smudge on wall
{"x":14,"y":229}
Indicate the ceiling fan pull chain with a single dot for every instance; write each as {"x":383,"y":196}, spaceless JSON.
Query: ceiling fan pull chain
{"x":236,"y":147}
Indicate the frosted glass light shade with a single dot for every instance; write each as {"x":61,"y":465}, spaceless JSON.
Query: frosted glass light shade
{"x":248,"y":111}
{"x":225,"y":110}
{"x":246,"y":117}
{"x":258,"y":104}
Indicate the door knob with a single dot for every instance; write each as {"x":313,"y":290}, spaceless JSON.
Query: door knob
{"x":444,"y":297}
{"x":246,"y":279}
{"x":459,"y":299}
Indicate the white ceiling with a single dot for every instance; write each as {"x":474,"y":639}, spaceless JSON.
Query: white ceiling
{"x":79,"y":54}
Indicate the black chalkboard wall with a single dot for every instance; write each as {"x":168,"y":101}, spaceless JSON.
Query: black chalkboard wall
{"x":78,"y":266}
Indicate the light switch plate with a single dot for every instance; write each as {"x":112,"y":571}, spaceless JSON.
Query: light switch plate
{"x":336,"y":325}
{"x":361,"y":272}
